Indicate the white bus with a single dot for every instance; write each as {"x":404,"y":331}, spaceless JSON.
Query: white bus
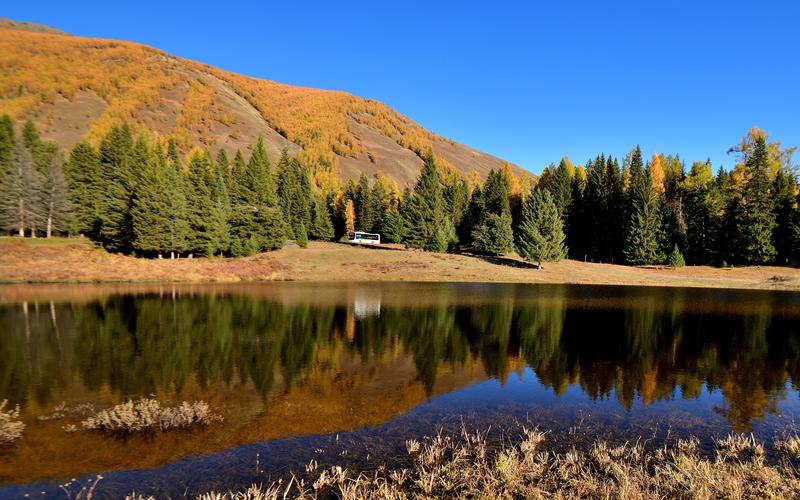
{"x":363,"y":238}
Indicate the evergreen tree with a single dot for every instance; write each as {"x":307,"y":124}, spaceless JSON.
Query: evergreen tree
{"x":20,"y":192}
{"x":294,"y":192}
{"x":496,"y":192}
{"x":676,"y":258}
{"x":302,"y":236}
{"x":321,"y":227}
{"x":203,"y":216}
{"x":85,"y":183}
{"x":118,"y":180}
{"x":784,"y":187}
{"x":149,"y":210}
{"x":7,"y":140}
{"x":474,"y":217}
{"x":426,"y":223}
{"x":541,"y":234}
{"x":758,"y":217}
{"x":56,"y":207}
{"x":363,"y":205}
{"x":560,"y":187}
{"x":643,"y":238}
{"x":578,"y":218}
{"x":495,"y":236}
{"x":379,"y":201}
{"x":393,"y":229}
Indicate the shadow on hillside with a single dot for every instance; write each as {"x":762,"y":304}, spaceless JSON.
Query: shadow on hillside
{"x":391,"y":247}
{"x":504,"y":261}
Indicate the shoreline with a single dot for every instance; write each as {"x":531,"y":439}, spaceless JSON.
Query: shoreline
{"x":77,"y":261}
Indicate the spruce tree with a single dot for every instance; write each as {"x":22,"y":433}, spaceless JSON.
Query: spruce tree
{"x":294,"y":192}
{"x":541,"y":234}
{"x":302,"y":236}
{"x":201,"y":214}
{"x":7,"y":140}
{"x":426,"y":224}
{"x":20,"y":192}
{"x":84,"y":178}
{"x":495,"y":236}
{"x":473,"y":218}
{"x":149,"y":210}
{"x":784,"y":187}
{"x":118,"y":174}
{"x":363,"y":205}
{"x":644,"y":224}
{"x":56,"y":207}
{"x":758,"y":217}
{"x":321,"y":227}
{"x":394,"y":226}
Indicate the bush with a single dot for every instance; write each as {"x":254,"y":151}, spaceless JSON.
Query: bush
{"x":144,"y":414}
{"x":676,"y":258}
{"x":10,"y":428}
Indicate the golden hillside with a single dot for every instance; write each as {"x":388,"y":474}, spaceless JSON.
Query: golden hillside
{"x":75,"y":88}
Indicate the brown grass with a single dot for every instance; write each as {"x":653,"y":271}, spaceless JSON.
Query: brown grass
{"x":78,"y":261}
{"x":465,"y":467}
{"x":10,"y":427}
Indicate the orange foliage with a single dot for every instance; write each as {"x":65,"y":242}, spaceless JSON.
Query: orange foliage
{"x":36,"y":68}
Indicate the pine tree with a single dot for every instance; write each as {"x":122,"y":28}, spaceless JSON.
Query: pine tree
{"x":426,"y":223}
{"x":643,"y":237}
{"x":394,"y":227}
{"x":560,"y":186}
{"x":149,"y":210}
{"x":473,"y":218}
{"x":321,"y":227}
{"x":495,"y":236}
{"x":56,"y":206}
{"x":20,"y":192}
{"x":302,"y":236}
{"x":758,"y":221}
{"x":541,"y":234}
{"x":201,"y":214}
{"x":294,"y":192}
{"x":118,"y":174}
{"x":84,"y":179}
{"x":7,"y":140}
{"x":379,"y":201}
{"x":363,"y":205}
{"x":784,"y":189}
{"x":496,"y":192}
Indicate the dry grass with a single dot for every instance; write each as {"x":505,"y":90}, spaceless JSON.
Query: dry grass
{"x":464,"y":467}
{"x":78,"y":261}
{"x":10,"y":427}
{"x":148,"y":414}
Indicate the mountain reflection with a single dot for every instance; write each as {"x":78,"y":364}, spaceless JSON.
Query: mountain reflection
{"x":639,"y":345}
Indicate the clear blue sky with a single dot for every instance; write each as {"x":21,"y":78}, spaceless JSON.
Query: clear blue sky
{"x":527,"y":81}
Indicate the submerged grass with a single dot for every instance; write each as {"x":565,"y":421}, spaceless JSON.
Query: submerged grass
{"x":10,"y":427}
{"x":465,"y":467}
{"x":145,"y":414}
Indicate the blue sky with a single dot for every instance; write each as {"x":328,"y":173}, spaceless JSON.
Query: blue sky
{"x":526,"y":81}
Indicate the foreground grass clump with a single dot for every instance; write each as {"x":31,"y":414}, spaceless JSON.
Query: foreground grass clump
{"x":465,"y":467}
{"x":10,"y":428}
{"x":143,"y":414}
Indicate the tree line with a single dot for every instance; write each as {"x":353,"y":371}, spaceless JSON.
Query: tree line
{"x":137,"y":194}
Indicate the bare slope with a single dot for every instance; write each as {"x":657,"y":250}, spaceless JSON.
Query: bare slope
{"x":75,"y":88}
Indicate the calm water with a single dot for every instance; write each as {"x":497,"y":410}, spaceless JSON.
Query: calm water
{"x":345,"y":373}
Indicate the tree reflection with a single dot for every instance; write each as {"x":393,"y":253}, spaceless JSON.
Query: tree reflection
{"x":653,"y":348}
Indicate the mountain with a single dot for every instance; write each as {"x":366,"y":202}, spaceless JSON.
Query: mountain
{"x":76,"y":88}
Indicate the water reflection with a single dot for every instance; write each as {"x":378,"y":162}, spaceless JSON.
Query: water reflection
{"x":633,"y":344}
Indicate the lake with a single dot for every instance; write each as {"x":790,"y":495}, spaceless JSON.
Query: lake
{"x":344,"y":374}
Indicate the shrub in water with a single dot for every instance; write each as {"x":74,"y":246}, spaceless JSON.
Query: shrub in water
{"x":10,"y":428}
{"x":143,"y":414}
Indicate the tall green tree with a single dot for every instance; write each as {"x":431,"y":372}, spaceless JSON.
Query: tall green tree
{"x":541,"y":233}
{"x":758,"y":218}
{"x":56,"y":206}
{"x":426,"y":223}
{"x":294,"y":193}
{"x":784,"y":189}
{"x":643,"y":236}
{"x":85,"y":182}
{"x":118,"y":169}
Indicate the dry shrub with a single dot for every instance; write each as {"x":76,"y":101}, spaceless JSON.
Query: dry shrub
{"x":462,"y":468}
{"x":145,"y":414}
{"x":10,"y":428}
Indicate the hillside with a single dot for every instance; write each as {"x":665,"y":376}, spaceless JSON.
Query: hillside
{"x":75,"y":88}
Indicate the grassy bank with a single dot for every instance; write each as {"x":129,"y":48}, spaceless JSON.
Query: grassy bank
{"x":465,"y":467}
{"x":78,"y":261}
